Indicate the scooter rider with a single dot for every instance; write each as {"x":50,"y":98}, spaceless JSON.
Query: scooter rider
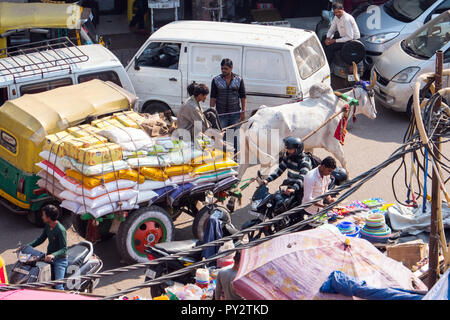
{"x":343,"y":28}
{"x":55,"y":232}
{"x":297,"y":161}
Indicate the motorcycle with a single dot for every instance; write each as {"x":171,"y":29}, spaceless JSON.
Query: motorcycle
{"x":353,"y":51}
{"x":265,"y":206}
{"x":31,"y":267}
{"x":165,"y":249}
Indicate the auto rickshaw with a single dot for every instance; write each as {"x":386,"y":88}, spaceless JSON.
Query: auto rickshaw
{"x":24,"y":123}
{"x":23,"y":23}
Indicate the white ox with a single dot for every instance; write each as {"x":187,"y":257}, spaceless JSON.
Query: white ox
{"x":262,"y":136}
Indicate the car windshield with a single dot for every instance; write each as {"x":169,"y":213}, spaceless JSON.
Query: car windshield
{"x":407,"y":10}
{"x":89,"y":28}
{"x":428,"y":39}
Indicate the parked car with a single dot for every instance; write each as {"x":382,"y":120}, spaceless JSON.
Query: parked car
{"x":278,"y":64}
{"x":42,"y":69}
{"x":397,"y":20}
{"x":398,"y":68}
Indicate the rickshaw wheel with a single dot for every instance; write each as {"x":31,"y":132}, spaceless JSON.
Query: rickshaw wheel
{"x":202,"y":217}
{"x":80,"y":227}
{"x":142,"y":228}
{"x":35,"y":217}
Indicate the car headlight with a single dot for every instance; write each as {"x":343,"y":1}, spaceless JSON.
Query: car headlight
{"x":382,"y":37}
{"x":406,"y":75}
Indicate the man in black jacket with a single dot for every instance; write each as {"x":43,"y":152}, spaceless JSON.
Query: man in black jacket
{"x":298,"y":164}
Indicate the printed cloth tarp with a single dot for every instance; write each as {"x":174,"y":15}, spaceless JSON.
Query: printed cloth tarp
{"x":294,"y":266}
{"x":339,"y":282}
{"x":414,"y":221}
{"x":441,"y":289}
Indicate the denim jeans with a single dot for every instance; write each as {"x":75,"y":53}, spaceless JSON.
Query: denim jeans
{"x":59,"y":267}
{"x":228,"y":120}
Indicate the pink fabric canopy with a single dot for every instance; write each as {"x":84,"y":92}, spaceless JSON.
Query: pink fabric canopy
{"x":294,"y":266}
{"x":27,"y":294}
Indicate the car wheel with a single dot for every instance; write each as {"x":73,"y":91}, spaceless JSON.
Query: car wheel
{"x":155,"y":107}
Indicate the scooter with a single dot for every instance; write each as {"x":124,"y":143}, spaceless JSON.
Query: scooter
{"x":31,"y":267}
{"x":165,"y":249}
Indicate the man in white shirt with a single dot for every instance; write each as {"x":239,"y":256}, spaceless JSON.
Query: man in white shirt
{"x":316,"y":184}
{"x":344,"y":24}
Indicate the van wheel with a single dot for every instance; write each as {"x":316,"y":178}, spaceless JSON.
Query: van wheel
{"x":155,"y":107}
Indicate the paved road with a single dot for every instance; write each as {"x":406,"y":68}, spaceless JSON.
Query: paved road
{"x":368,"y":143}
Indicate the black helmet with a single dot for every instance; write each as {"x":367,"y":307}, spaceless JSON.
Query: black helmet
{"x":294,"y":143}
{"x":340,"y":175}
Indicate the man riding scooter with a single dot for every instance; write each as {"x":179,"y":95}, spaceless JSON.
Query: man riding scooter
{"x":296,"y":160}
{"x":55,"y":232}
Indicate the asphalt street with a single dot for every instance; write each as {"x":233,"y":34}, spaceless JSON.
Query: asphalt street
{"x":368,"y":143}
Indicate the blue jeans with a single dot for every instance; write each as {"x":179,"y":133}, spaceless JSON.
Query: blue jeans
{"x":228,"y":120}
{"x":59,"y":266}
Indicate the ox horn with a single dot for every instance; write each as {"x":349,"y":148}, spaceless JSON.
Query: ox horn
{"x":373,"y":81}
{"x":355,"y":71}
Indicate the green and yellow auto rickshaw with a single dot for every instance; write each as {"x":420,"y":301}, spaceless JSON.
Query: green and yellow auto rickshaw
{"x":23,"y":23}
{"x":24,"y":123}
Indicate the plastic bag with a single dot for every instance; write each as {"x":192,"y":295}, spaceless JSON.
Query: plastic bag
{"x":107,"y":208}
{"x":157,"y":174}
{"x":215,"y":166}
{"x":214,"y":177}
{"x":119,"y":135}
{"x":153,"y":185}
{"x":97,"y":180}
{"x":70,"y":205}
{"x":98,"y":169}
{"x":111,"y":197}
{"x":149,"y":161}
{"x":52,"y":158}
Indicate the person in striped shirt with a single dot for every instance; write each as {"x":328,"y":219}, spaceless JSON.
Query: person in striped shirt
{"x":298,"y":164}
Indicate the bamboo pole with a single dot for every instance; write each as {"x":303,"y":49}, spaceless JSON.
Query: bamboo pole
{"x":435,"y":188}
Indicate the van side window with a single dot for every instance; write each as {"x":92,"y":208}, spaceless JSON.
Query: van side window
{"x":160,"y":55}
{"x":104,"y":76}
{"x":260,"y":65}
{"x":45,"y":86}
{"x":309,"y":57}
{"x":3,"y":95}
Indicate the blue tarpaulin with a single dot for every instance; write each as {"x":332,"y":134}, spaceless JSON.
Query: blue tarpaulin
{"x":339,"y":282}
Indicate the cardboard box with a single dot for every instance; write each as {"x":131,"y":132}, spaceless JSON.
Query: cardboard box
{"x":99,"y":154}
{"x":55,"y":142}
{"x":129,"y":119}
{"x":409,"y":253}
{"x":71,"y":147}
{"x":107,"y":122}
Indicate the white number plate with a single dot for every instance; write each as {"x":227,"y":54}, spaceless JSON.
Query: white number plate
{"x":150,"y":274}
{"x":25,"y":272}
{"x":351,"y":77}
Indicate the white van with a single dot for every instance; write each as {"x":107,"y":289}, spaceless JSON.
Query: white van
{"x":278,"y":64}
{"x":41,"y":70}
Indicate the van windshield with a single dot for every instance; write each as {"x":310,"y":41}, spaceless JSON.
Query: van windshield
{"x":309,"y":57}
{"x":407,"y":10}
{"x":424,"y":43}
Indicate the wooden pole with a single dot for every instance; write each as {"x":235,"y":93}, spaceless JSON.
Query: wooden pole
{"x":436,"y":201}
